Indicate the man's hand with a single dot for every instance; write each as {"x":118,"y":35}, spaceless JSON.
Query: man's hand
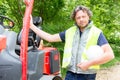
{"x":83,"y":65}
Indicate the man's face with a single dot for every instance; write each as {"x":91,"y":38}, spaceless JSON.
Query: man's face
{"x":82,"y":19}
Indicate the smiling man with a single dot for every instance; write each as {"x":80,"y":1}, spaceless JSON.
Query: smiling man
{"x":78,"y":39}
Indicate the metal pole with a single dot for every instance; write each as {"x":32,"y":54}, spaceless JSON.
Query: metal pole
{"x":24,"y":40}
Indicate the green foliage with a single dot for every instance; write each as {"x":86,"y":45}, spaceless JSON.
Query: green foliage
{"x":2,"y":9}
{"x":47,"y":9}
{"x":14,"y":9}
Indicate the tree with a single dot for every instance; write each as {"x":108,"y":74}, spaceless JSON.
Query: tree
{"x":47,"y":9}
{"x":14,"y":9}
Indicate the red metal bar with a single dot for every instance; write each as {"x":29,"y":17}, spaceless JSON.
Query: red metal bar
{"x":24,"y":40}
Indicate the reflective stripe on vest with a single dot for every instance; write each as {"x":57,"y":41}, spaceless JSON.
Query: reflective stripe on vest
{"x":92,"y":40}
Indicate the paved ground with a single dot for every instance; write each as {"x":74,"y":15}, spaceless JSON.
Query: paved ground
{"x":112,"y":73}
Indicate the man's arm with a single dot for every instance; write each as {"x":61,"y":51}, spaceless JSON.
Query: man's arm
{"x":44,"y":35}
{"x":106,"y":57}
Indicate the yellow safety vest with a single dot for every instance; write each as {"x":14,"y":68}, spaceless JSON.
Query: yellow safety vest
{"x":92,"y":40}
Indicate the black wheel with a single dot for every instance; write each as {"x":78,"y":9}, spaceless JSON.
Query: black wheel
{"x":57,"y":78}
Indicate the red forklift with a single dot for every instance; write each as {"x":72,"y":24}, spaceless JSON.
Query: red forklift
{"x":20,"y":58}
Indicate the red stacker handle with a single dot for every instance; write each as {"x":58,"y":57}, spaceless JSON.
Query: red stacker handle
{"x":24,"y":40}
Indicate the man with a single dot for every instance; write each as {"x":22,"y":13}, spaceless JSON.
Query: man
{"x":77,"y":40}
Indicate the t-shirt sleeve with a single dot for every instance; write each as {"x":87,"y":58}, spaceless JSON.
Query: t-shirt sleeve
{"x":102,"y":40}
{"x":62,"y":36}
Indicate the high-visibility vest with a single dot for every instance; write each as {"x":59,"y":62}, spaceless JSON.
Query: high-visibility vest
{"x":92,"y":40}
